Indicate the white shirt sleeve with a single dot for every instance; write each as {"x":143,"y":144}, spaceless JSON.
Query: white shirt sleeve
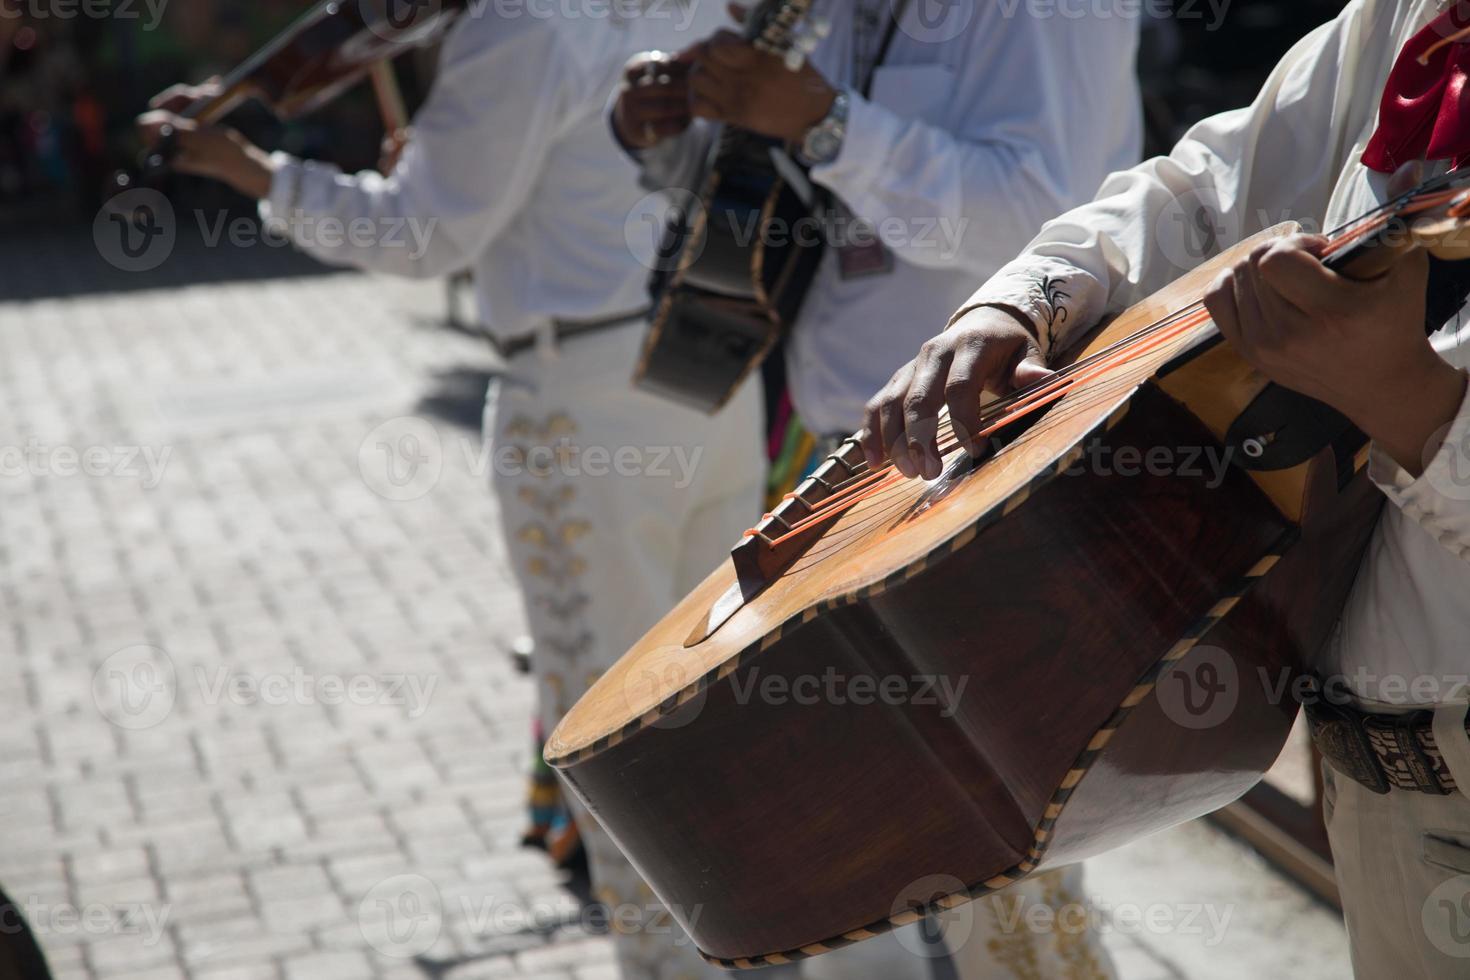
{"x":1439,"y":500}
{"x":478,"y":145}
{"x":1230,"y":176}
{"x":1017,"y":152}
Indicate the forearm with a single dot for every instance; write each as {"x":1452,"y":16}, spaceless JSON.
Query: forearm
{"x":1421,"y":455}
{"x":365,"y":220}
{"x":251,"y":172}
{"x":1409,"y":421}
{"x":1230,"y":176}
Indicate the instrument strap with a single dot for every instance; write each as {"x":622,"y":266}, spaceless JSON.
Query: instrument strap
{"x":897,"y":10}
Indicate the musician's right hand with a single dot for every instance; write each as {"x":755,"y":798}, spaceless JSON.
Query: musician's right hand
{"x":653,"y":104}
{"x":988,"y":349}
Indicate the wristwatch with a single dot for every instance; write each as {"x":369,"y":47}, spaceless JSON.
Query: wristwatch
{"x":823,"y":142}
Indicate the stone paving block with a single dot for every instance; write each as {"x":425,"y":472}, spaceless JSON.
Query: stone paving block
{"x":446,"y":851}
{"x":328,"y":966}
{"x":130,"y":953}
{"x":495,"y":968}
{"x":438,"y":819}
{"x":108,"y":864}
{"x":205,"y":897}
{"x":263,"y":821}
{"x":351,"y":833}
{"x":609,"y":971}
{"x":241,"y":941}
{"x":254,"y":971}
{"x":161,"y":973}
{"x":121,"y":893}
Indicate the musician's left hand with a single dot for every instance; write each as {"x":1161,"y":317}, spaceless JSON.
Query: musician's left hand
{"x":1357,"y":346}
{"x":218,"y":152}
{"x":732,"y":82}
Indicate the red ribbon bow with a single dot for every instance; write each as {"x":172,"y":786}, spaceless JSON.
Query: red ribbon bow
{"x":1422,"y":115}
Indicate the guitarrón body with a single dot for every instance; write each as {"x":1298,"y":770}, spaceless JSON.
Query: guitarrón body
{"x":1128,"y":626}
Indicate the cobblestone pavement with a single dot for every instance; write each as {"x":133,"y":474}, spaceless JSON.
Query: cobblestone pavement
{"x":260,"y":722}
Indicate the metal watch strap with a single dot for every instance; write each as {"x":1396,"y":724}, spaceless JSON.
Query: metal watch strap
{"x":823,"y":141}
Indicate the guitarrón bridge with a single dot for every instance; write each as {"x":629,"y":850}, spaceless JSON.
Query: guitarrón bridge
{"x":771,"y":547}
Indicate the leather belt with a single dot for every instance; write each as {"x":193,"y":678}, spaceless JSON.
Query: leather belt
{"x":1380,"y":751}
{"x":563,"y":331}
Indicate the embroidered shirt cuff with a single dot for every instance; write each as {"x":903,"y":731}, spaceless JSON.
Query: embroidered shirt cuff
{"x":1439,"y":499}
{"x":285,"y":195}
{"x":1052,"y":295}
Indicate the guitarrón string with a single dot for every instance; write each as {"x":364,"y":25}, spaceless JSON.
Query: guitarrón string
{"x":864,"y":485}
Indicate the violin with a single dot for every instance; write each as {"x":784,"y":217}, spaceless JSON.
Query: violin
{"x":899,"y":695}
{"x":328,"y":50}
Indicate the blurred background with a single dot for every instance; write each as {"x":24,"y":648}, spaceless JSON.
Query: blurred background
{"x":72,"y":85}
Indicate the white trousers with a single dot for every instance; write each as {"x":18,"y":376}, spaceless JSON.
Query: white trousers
{"x":615,"y":504}
{"x":1403,"y":867}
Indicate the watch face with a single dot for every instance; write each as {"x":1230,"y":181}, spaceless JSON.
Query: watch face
{"x":823,"y":145}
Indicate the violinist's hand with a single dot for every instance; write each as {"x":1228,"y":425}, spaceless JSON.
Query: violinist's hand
{"x":653,"y":104}
{"x":988,"y":349}
{"x":217,"y":152}
{"x":177,"y":98}
{"x":733,"y":82}
{"x":1357,"y":346}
